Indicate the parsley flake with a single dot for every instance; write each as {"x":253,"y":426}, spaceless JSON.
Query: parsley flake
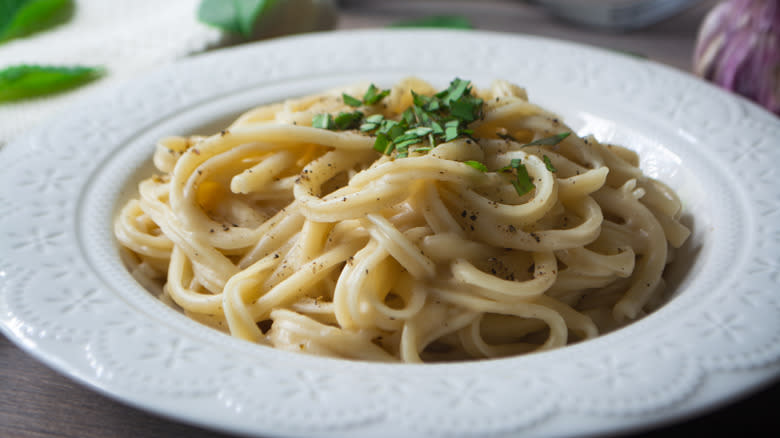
{"x":374,"y":95}
{"x":382,"y":144}
{"x":477,"y":165}
{"x":323,"y":121}
{"x":344,"y":121}
{"x":351,"y":101}
{"x":549,"y":164}
{"x":522,"y":181}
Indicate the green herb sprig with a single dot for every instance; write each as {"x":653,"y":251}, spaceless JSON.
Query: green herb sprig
{"x":440,"y":118}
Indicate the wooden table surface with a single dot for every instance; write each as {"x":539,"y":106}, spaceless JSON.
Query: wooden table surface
{"x":37,"y":402}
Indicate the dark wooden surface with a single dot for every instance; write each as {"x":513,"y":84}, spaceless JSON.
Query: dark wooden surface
{"x":36,"y":402}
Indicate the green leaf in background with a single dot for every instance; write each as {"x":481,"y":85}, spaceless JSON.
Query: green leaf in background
{"x":238,"y":16}
{"x":24,"y":81}
{"x":439,"y":21}
{"x":22,"y":17}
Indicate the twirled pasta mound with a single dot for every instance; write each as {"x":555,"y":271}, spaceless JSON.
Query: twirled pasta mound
{"x":497,"y":237}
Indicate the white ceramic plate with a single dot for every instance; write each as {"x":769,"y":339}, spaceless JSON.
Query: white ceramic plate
{"x":66,"y":298}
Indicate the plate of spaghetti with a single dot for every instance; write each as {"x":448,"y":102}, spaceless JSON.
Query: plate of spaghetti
{"x":488,"y":234}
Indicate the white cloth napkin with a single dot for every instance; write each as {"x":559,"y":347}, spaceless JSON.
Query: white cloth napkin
{"x":126,"y":37}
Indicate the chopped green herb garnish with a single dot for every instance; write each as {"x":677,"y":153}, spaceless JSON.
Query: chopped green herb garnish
{"x":344,"y":121}
{"x":404,"y":144}
{"x":522,"y":181}
{"x":514,"y":164}
{"x":549,"y":164}
{"x":442,"y":117}
{"x":477,"y":165}
{"x":420,"y":131}
{"x":451,"y":130}
{"x":323,"y":121}
{"x":351,"y":101}
{"x":408,"y":116}
{"x":420,"y":100}
{"x":548,"y":141}
{"x":383,"y":144}
{"x":368,"y":127}
{"x":456,"y":90}
{"x":392,"y":128}
{"x":375,"y":118}
{"x":373,"y":95}
{"x":506,"y":136}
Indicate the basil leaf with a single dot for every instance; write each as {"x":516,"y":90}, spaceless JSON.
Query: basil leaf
{"x":437,"y":21}
{"x":477,"y":165}
{"x":548,"y":141}
{"x":23,"y":81}
{"x":22,"y":17}
{"x":237,"y":16}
